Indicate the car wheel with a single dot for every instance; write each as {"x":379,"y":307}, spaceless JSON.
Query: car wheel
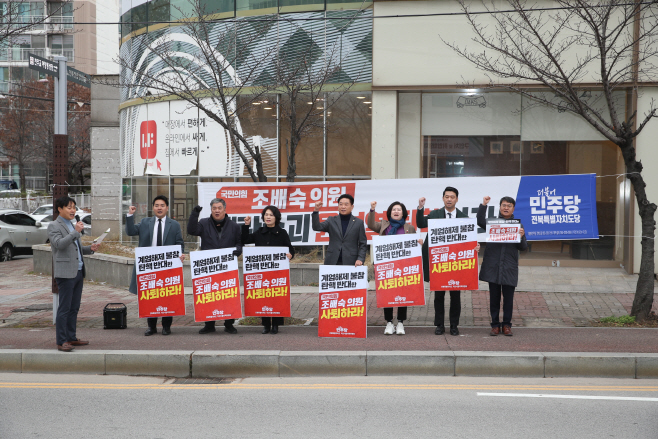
{"x":6,"y":253}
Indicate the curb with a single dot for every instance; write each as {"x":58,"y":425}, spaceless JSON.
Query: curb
{"x":232,"y":364}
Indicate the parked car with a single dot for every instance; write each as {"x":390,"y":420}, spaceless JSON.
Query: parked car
{"x":47,"y":209}
{"x":18,"y":233}
{"x":84,"y":217}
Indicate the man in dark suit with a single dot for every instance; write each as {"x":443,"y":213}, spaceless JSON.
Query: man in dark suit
{"x":155,"y":231}
{"x":216,"y":231}
{"x":347,"y":234}
{"x":449,"y":210}
{"x":67,"y":252}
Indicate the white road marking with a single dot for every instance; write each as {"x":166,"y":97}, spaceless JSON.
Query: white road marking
{"x":548,"y":395}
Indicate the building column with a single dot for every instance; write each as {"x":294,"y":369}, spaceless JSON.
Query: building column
{"x":384,"y":134}
{"x":409,"y":136}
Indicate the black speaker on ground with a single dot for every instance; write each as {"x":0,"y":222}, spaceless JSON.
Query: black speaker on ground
{"x":115,"y":316}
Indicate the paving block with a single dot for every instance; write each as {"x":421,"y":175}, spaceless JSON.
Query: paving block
{"x":220,"y":364}
{"x":410,"y":363}
{"x":322,"y":363}
{"x":11,"y":360}
{"x":589,"y":364}
{"x":54,"y":361}
{"x":154,"y":363}
{"x":646,"y":365}
{"x":509,"y":364}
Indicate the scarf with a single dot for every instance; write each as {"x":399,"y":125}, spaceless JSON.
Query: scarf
{"x":395,"y":225}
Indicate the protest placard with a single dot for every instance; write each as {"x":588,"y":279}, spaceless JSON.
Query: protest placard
{"x":266,"y":275}
{"x":216,"y":285}
{"x":453,"y":260}
{"x":343,"y":301}
{"x":398,"y":270}
{"x":503,"y":230}
{"x":160,"y":281}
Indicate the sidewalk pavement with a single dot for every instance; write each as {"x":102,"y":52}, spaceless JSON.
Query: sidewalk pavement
{"x":548,"y":340}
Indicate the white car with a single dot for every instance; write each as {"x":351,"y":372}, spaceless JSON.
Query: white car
{"x":18,"y":233}
{"x":84,"y":217}
{"x":47,"y":209}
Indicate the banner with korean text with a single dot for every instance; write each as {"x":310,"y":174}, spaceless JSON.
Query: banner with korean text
{"x":266,"y":274}
{"x":453,"y":259}
{"x":549,"y":206}
{"x":398,"y":270}
{"x":159,"y":281}
{"x":503,"y":230}
{"x":343,"y":301}
{"x":216,"y":285}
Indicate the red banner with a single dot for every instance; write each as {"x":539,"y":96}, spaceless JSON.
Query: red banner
{"x":343,"y":314}
{"x":267,"y":294}
{"x":217,"y":297}
{"x":400,"y":283}
{"x":454,"y":267}
{"x":160,"y":293}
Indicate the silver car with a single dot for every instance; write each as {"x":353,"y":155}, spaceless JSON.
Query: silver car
{"x":18,"y":233}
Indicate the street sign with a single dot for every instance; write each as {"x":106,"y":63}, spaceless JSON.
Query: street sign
{"x":51,"y":68}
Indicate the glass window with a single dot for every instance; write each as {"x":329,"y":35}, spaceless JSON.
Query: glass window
{"x":300,"y":5}
{"x":349,"y":134}
{"x":309,"y":155}
{"x":184,"y":196}
{"x":139,"y":16}
{"x":19,"y":219}
{"x":158,"y":11}
{"x":126,"y":27}
{"x":258,"y":124}
{"x":222,"y":7}
{"x":255,"y":7}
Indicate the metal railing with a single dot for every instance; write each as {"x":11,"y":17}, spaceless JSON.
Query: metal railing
{"x":22,"y":54}
{"x":54,"y":23}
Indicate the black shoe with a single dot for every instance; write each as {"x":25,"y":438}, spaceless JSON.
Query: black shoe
{"x":266,"y":330}
{"x":230,"y":329}
{"x":440,"y":330}
{"x":206,"y":329}
{"x":454,"y":330}
{"x":166,"y":331}
{"x":275,"y":329}
{"x":151,"y":331}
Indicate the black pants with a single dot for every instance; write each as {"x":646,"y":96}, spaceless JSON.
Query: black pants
{"x":439,"y":307}
{"x":402,"y":314}
{"x":153,"y":322}
{"x":494,"y":303}
{"x":227,"y":323}
{"x":269,"y":321}
{"x":70,"y":294}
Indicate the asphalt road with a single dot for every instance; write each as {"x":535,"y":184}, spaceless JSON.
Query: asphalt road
{"x":65,"y":406}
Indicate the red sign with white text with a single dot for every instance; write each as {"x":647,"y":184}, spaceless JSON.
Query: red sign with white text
{"x":454,"y":267}
{"x":343,"y":314}
{"x":216,"y":284}
{"x":400,"y":283}
{"x":160,"y":293}
{"x":267,"y":294}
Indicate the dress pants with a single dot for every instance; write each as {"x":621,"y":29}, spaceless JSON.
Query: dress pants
{"x":70,"y":293}
{"x":402,"y":314}
{"x":269,"y":321}
{"x":153,"y":321}
{"x":439,"y":308}
{"x":494,"y":303}
{"x":227,"y":323}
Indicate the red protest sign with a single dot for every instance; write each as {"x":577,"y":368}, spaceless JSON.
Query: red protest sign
{"x":266,"y":272}
{"x":216,"y":285}
{"x":453,"y":260}
{"x":343,"y":301}
{"x":159,"y":281}
{"x":502,"y":230}
{"x":398,"y":270}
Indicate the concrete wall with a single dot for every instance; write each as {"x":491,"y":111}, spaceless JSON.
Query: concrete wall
{"x":105,"y":157}
{"x":409,"y":140}
{"x":384,"y":134}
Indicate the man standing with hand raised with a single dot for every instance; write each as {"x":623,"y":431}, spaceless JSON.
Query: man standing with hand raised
{"x":347,"y":234}
{"x":155,"y":231}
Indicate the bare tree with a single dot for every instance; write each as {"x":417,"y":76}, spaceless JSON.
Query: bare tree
{"x":221,"y":62}
{"x":612,"y":43}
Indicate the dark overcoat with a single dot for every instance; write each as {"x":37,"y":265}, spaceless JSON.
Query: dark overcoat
{"x":210,"y":240}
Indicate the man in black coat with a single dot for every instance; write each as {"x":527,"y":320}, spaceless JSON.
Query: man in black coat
{"x":500,"y":267}
{"x":449,"y":210}
{"x":216,"y":231}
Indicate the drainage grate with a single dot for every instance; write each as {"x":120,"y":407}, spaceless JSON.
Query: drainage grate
{"x":203,"y":381}
{"x":35,"y":308}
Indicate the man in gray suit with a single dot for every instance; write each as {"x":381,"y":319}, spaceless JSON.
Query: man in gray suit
{"x":152,"y":232}
{"x":67,"y":252}
{"x":347,"y":234}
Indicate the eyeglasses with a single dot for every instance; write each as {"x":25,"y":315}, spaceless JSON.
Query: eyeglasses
{"x":508,"y":206}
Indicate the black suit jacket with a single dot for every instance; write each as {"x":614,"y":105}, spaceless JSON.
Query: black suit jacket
{"x":352,"y":245}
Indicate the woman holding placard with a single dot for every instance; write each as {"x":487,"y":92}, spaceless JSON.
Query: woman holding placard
{"x":396,"y":225}
{"x":269,"y":235}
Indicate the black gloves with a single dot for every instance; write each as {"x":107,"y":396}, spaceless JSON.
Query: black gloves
{"x":198,"y":208}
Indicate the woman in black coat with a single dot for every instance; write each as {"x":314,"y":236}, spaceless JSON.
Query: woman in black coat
{"x":500,"y":267}
{"x":270,"y":235}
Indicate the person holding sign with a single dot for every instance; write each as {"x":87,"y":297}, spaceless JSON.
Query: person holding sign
{"x":347,"y":234}
{"x":449,"y":210}
{"x":500,"y":267}
{"x":155,"y":231}
{"x":216,"y":231}
{"x":396,"y":225}
{"x":69,"y":265}
{"x":270,"y":235}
